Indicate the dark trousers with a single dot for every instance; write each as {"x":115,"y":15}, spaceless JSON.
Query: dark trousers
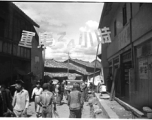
{"x":75,"y":113}
{"x":62,"y":95}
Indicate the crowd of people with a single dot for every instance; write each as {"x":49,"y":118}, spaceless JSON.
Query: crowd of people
{"x":46,"y":98}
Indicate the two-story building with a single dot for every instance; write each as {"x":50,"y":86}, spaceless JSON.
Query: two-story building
{"x":130,"y":51}
{"x":17,"y":62}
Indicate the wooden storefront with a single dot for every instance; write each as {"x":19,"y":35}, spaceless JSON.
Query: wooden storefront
{"x":143,"y":83}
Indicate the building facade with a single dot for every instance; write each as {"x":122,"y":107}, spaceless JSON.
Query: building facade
{"x":17,"y":62}
{"x":129,"y":52}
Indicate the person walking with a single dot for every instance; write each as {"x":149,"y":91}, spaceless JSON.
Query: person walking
{"x":62,"y":89}
{"x":20,"y":100}
{"x":58,"y":93}
{"x":75,"y":102}
{"x":86,"y":93}
{"x":36,"y":92}
{"x":46,"y":102}
{"x":83,"y":87}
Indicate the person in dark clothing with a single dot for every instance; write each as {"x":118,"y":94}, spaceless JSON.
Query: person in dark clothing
{"x":79,"y":88}
{"x":83,"y":89}
{"x":5,"y":102}
{"x":75,"y":102}
{"x":51,"y":86}
{"x":62,"y":90}
{"x":86,"y":93}
{"x":91,"y":86}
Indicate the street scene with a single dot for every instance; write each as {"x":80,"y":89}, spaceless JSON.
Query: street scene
{"x":75,"y":59}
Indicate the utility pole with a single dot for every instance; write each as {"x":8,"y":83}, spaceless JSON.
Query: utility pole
{"x":43,"y":62}
{"x":68,"y":63}
{"x":95,"y":63}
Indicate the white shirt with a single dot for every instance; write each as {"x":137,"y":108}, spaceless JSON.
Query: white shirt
{"x":21,"y":100}
{"x":37,"y":91}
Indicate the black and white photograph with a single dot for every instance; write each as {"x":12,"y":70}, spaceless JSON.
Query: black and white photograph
{"x":76,"y":59}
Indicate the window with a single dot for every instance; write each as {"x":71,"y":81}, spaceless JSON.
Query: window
{"x":124,"y":15}
{"x":115,"y":28}
{"x":2,"y":27}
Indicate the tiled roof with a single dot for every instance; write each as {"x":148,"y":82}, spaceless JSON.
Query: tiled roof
{"x":61,"y":74}
{"x":54,"y":64}
{"x":98,"y":64}
{"x":79,"y":69}
{"x":94,"y":73}
{"x":74,"y":67}
{"x":85,"y":63}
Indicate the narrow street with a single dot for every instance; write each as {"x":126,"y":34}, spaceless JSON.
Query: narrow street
{"x":96,"y":51}
{"x":62,"y":110}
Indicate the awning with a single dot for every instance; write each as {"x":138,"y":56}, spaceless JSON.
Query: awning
{"x":61,"y":74}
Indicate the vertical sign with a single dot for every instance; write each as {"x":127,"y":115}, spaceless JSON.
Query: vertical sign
{"x":143,"y":68}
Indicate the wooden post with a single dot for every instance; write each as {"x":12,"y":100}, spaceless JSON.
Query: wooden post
{"x":101,"y":73}
{"x":43,"y":63}
{"x":95,"y":65}
{"x":113,"y":85}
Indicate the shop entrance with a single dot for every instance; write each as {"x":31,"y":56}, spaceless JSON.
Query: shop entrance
{"x":125,"y":79}
{"x":126,"y":65}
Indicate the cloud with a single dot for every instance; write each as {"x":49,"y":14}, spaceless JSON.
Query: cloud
{"x":89,"y":26}
{"x":61,"y":17}
{"x":44,"y":15}
{"x":93,"y":25}
{"x":83,"y":29}
{"x":58,"y":45}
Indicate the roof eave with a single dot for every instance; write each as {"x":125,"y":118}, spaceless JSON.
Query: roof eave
{"x":26,"y":16}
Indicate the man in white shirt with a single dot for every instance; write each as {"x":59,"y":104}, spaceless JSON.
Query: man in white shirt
{"x":37,"y":91}
{"x":21,"y":100}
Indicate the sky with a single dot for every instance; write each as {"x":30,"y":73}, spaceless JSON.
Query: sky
{"x":71,"y":18}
